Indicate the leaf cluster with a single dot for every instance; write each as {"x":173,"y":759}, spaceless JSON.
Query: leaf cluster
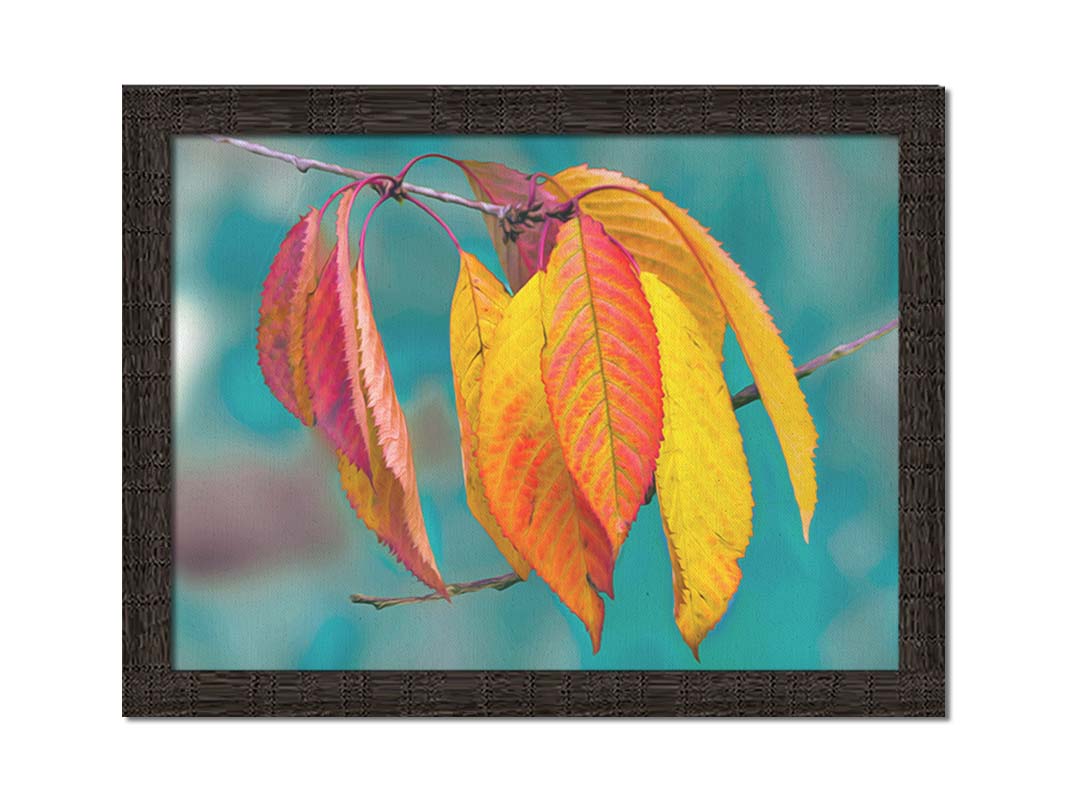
{"x":594,"y":378}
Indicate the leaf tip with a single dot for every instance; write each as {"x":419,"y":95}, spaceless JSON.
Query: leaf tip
{"x":604,"y":580}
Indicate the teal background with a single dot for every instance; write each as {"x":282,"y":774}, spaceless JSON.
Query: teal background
{"x":267,"y":549}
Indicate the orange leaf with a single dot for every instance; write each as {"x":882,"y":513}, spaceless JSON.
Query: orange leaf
{"x":477,"y":306}
{"x":539,"y":507}
{"x":601,"y":372}
{"x":350,"y":373}
{"x":670,"y":244}
{"x":517,"y":249}
{"x":702,"y":478}
{"x":280,"y":335}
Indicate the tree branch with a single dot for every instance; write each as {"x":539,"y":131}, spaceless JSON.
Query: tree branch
{"x":500,"y":583}
{"x":749,"y":394}
{"x":305,"y":164}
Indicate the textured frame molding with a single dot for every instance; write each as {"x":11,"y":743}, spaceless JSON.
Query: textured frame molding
{"x":151,"y":115}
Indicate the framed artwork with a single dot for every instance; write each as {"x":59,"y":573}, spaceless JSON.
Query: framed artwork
{"x":444,"y":401}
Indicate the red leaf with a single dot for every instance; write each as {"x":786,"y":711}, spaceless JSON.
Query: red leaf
{"x":356,"y":405}
{"x":387,"y":496}
{"x":282,"y":314}
{"x":516,"y":249}
{"x":601,"y":368}
{"x":332,"y":351}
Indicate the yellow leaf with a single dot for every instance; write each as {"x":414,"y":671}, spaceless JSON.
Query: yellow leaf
{"x":674,"y":247}
{"x":477,"y":306}
{"x":702,"y":477}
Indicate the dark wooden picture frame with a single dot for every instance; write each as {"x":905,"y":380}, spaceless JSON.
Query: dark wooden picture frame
{"x":151,"y":115}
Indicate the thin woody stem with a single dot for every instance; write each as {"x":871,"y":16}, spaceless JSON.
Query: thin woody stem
{"x":305,"y":164}
{"x":749,"y":394}
{"x":500,"y":583}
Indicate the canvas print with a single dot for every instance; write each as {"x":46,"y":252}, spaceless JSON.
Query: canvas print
{"x":535,"y":402}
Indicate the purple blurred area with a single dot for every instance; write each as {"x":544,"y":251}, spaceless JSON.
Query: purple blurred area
{"x":245,"y":518}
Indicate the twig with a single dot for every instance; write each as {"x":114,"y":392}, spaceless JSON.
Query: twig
{"x":500,"y":583}
{"x":304,"y":164}
{"x":750,"y":393}
{"x":747,"y":395}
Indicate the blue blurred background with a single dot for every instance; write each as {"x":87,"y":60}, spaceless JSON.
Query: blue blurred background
{"x":267,"y":550}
